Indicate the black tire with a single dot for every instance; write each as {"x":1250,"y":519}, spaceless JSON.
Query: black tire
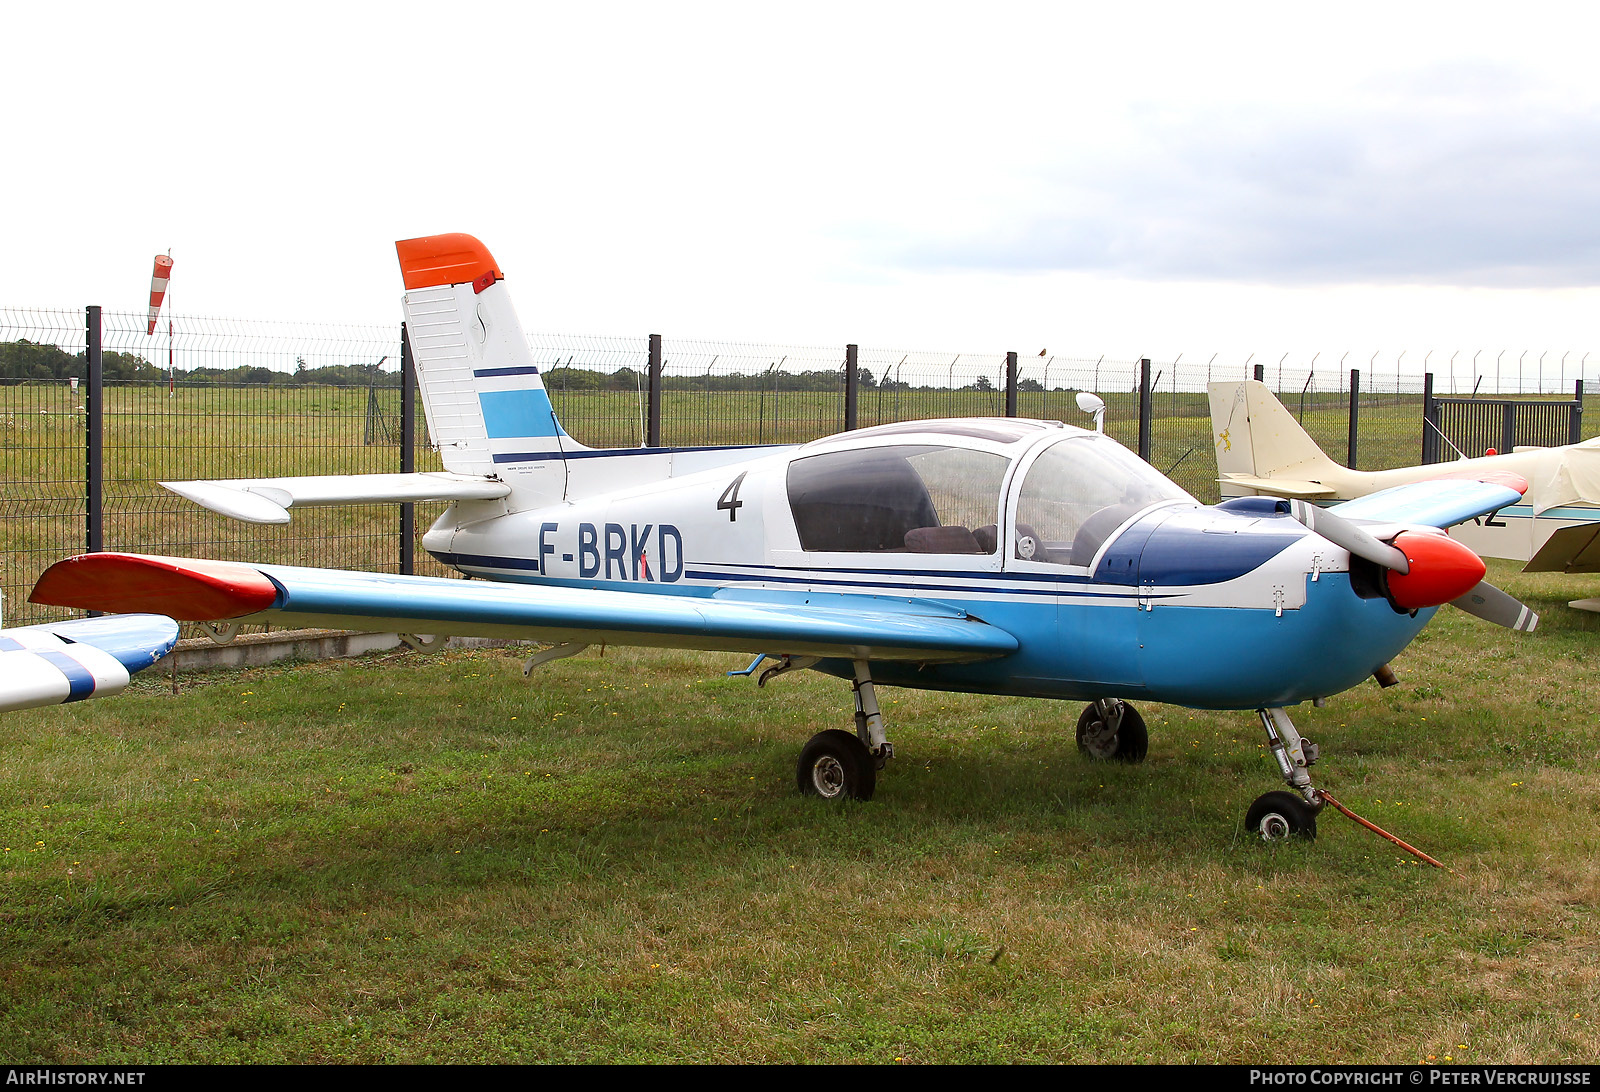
{"x":1279,"y":816}
{"x":836,"y":765}
{"x":1131,"y":742}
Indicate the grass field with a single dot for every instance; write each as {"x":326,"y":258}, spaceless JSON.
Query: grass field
{"x":429,"y":859}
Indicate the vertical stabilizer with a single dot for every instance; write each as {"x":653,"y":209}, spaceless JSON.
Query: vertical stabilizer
{"x":487,"y":408}
{"x":1230,"y":428}
{"x":1258,"y":441}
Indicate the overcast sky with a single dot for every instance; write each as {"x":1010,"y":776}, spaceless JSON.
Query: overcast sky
{"x":1153,"y":179}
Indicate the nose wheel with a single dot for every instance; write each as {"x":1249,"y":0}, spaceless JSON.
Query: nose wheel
{"x":1278,"y":816}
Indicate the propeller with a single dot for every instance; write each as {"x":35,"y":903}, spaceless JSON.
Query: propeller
{"x":1424,"y":570}
{"x":1493,"y":605}
{"x":1346,"y":535}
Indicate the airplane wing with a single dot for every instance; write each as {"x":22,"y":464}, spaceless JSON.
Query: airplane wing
{"x":86,"y":658}
{"x":267,"y":500}
{"x":1435,"y":503}
{"x":811,"y":624}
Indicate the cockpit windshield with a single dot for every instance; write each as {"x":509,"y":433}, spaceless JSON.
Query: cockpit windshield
{"x":1080,"y":490}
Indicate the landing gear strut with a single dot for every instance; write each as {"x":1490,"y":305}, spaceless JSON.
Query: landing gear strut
{"x":836,"y":765}
{"x":1277,"y":816}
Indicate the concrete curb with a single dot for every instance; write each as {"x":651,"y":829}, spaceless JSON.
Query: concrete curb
{"x":256,"y":649}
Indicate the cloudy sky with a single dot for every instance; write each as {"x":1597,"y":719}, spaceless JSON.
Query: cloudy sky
{"x":1148,"y":180}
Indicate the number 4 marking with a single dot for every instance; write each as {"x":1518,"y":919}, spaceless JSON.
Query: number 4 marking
{"x":729,"y":500}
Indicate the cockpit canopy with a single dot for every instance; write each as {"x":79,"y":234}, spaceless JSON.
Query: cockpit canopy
{"x":914,"y":497}
{"x":938,"y":498}
{"x":1080,"y":490}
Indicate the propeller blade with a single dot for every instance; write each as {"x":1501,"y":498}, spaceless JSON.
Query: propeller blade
{"x":1493,"y":605}
{"x":1342,"y":533}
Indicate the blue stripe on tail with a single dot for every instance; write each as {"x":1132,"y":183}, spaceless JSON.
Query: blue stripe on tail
{"x":518,"y":414}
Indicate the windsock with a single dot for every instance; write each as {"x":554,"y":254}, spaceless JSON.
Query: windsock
{"x":158,"y":287}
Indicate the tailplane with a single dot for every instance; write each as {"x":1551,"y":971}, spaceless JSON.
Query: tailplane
{"x":488,"y":413}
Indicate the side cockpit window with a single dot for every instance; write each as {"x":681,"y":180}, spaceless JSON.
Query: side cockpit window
{"x":903,"y":499}
{"x":1077,"y":493}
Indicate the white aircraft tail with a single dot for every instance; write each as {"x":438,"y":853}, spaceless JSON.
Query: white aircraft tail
{"x":487,"y":408}
{"x":1261,"y":448}
{"x":488,"y":412}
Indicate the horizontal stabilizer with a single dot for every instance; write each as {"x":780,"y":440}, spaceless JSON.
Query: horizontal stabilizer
{"x":59,"y":662}
{"x":1280,"y":487}
{"x":884,"y":628}
{"x":268,"y":500}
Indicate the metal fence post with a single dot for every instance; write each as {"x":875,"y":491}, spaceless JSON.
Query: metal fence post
{"x":1144,"y":408}
{"x":1355,"y":418}
{"x":852,"y":388}
{"x":408,"y":450}
{"x":94,"y":437}
{"x":653,"y":425}
{"x":1011,"y":384}
{"x":1575,"y":430}
{"x":1430,"y":413}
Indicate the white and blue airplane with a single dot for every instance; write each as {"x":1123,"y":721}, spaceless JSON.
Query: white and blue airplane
{"x":993,"y":555}
{"x":58,"y":662}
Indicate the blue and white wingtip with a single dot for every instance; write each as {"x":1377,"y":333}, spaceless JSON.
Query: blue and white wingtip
{"x":57,"y":662}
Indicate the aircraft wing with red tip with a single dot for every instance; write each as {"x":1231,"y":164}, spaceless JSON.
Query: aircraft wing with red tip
{"x":807,"y":623}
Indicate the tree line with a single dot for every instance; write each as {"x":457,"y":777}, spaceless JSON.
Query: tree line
{"x":562,"y":378}
{"x":26,"y":361}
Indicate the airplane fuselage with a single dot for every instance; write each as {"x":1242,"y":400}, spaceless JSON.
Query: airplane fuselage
{"x":1211,"y":607}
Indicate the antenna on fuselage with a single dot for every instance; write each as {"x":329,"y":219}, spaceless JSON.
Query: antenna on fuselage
{"x":1090,"y":403}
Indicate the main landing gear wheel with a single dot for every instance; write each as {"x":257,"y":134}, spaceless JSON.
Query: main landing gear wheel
{"x":1278,"y":816}
{"x":836,"y":765}
{"x":1127,"y":741}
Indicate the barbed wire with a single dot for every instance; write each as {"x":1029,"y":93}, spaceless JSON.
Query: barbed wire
{"x":188,"y":342}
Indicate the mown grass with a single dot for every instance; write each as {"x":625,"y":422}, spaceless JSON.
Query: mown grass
{"x":410,"y":858}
